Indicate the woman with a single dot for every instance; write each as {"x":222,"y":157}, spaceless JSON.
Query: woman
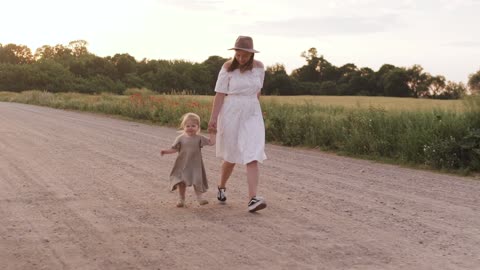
{"x":237,"y":116}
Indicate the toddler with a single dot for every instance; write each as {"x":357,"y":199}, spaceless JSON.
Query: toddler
{"x":188,"y":169}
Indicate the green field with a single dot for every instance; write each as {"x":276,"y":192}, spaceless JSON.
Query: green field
{"x":387,"y":103}
{"x":362,"y":102}
{"x":436,"y":134}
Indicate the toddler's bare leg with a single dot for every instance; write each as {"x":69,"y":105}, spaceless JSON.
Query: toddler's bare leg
{"x":181,"y":190}
{"x":200,"y":198}
{"x":181,"y":193}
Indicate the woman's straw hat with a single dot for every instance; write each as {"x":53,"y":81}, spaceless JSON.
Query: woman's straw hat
{"x":244,"y":43}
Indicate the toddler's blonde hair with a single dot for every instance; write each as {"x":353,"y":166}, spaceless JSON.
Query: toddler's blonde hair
{"x":190,"y":117}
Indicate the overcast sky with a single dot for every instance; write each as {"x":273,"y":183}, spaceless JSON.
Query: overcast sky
{"x":442,"y":35}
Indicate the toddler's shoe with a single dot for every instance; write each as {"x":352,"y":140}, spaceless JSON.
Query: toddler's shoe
{"x":221,"y":194}
{"x":256,"y":203}
{"x":202,"y":201}
{"x":181,"y":203}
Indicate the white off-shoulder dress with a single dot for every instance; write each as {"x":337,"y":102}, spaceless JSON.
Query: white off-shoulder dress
{"x":240,"y":126}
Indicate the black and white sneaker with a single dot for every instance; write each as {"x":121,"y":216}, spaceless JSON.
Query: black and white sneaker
{"x":256,"y":203}
{"x":221,"y":194}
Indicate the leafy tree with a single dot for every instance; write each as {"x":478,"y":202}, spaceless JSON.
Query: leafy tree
{"x":436,"y":86}
{"x":78,"y":47}
{"x":58,"y":53}
{"x":146,"y":66}
{"x":417,"y":81}
{"x":124,"y":64}
{"x":132,"y":80}
{"x":349,"y":80}
{"x":213,"y":65}
{"x":325,"y":70}
{"x":91,"y":65}
{"x":395,"y":83}
{"x":73,"y":67}
{"x":379,"y":78}
{"x":346,"y":71}
{"x":201,"y":79}
{"x":317,"y":69}
{"x":51,"y":76}
{"x":149,"y":71}
{"x":305,"y":88}
{"x":15,"y":54}
{"x":277,"y":82}
{"x":308,"y":72}
{"x":45,"y":52}
{"x":453,"y":91}
{"x":13,"y":77}
{"x":365,"y":82}
{"x":327,"y":88}
{"x":474,"y":82}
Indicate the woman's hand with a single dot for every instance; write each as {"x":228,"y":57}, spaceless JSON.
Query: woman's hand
{"x":216,"y":107}
{"x":212,"y":126}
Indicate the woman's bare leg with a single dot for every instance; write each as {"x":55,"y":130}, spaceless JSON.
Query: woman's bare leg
{"x":227,"y":169}
{"x":255,"y":203}
{"x":252,"y":178}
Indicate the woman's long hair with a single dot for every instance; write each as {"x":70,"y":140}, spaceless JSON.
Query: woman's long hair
{"x":235,"y":64}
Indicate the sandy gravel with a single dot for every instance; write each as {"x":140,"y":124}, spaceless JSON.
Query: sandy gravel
{"x":82,"y":191}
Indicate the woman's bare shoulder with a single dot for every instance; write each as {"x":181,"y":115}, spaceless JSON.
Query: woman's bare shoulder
{"x":257,"y":64}
{"x":227,"y":64}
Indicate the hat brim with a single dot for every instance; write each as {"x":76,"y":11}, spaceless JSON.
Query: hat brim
{"x":243,"y":49}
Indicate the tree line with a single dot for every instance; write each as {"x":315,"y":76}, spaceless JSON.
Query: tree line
{"x":72,"y":67}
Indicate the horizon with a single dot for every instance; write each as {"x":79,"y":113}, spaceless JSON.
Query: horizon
{"x":437,"y":35}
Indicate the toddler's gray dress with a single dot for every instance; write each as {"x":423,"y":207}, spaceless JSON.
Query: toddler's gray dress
{"x":188,"y":167}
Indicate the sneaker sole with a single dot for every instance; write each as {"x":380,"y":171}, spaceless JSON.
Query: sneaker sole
{"x":260,"y":206}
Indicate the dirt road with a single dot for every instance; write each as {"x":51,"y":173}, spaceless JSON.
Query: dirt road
{"x":82,"y":191}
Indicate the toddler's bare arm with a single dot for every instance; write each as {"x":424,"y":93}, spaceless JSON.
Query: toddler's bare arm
{"x":168,"y":151}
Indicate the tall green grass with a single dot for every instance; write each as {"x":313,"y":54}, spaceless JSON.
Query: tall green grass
{"x":437,"y":138}
{"x":139,"y":105}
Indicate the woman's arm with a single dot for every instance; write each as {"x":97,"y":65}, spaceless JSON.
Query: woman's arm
{"x":216,"y":107}
{"x":259,"y":64}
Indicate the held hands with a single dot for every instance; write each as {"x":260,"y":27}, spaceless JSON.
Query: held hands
{"x":212,"y":131}
{"x":212,"y":127}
